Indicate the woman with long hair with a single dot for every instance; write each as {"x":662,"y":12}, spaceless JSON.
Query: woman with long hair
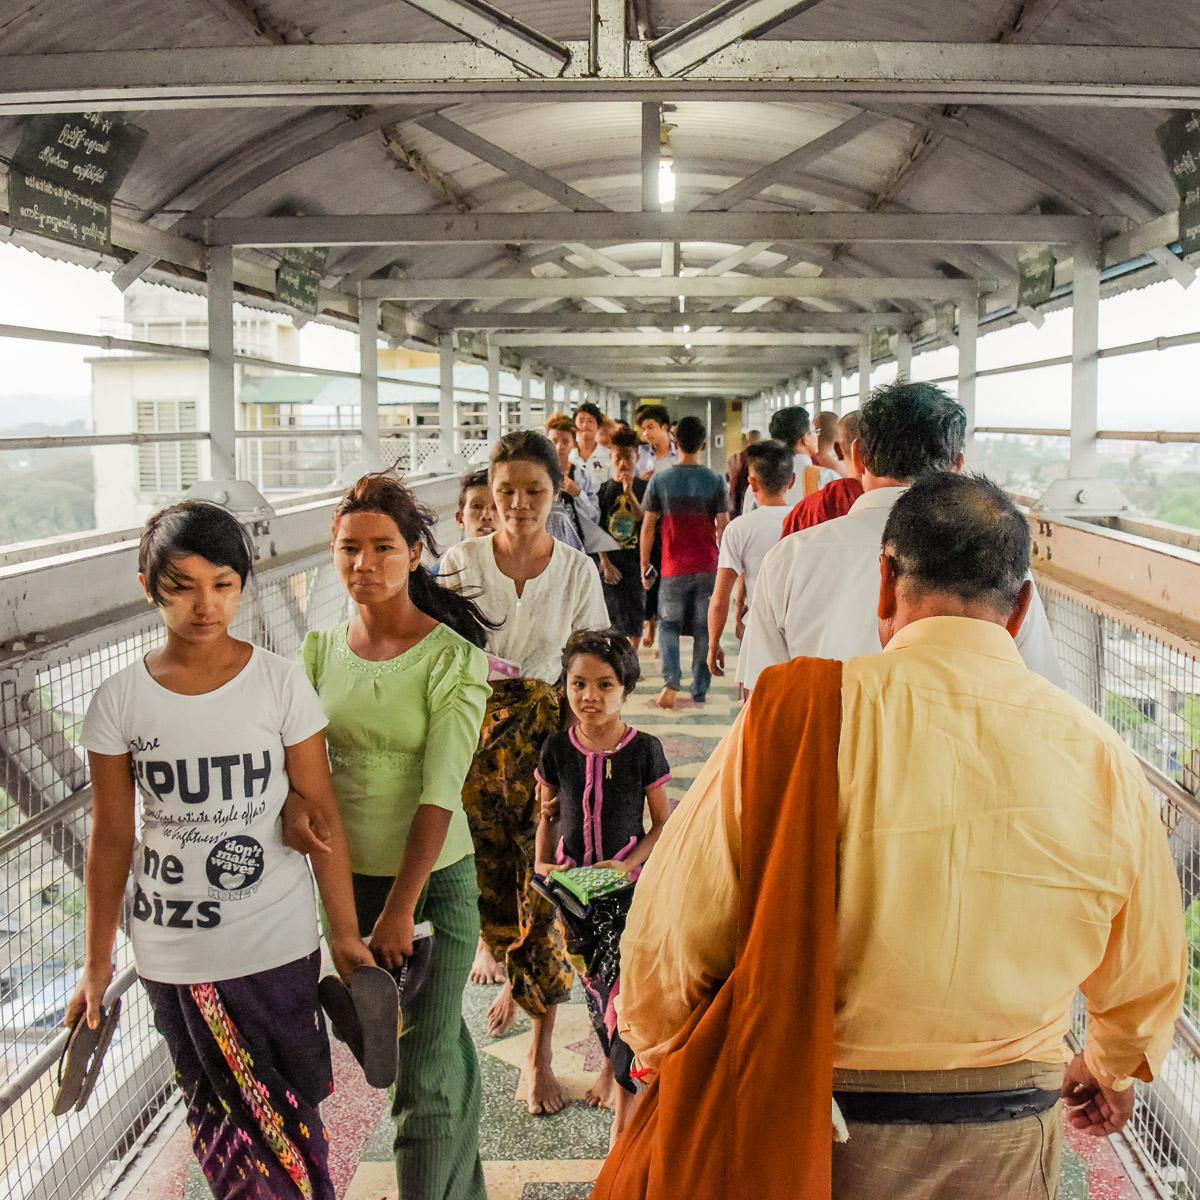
{"x":537,"y":592}
{"x":404,"y":684}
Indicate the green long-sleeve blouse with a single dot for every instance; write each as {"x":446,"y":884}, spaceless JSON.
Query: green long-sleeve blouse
{"x":401,"y":733}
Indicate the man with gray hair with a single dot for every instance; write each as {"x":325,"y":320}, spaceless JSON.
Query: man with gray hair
{"x":895,"y":914}
{"x":816,"y":589}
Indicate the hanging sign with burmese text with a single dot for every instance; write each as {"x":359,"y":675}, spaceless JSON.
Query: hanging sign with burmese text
{"x":65,"y":173}
{"x":1035,"y":280}
{"x":1179,"y":137}
{"x":298,"y":277}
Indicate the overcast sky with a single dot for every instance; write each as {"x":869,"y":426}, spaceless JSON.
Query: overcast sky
{"x":1158,"y":390}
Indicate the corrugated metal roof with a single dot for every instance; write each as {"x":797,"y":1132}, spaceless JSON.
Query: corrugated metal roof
{"x":979,"y":159}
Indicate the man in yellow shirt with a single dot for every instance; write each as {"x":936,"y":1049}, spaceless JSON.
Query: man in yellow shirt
{"x":997,"y":848}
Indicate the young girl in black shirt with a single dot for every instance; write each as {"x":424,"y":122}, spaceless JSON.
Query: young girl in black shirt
{"x":594,"y":782}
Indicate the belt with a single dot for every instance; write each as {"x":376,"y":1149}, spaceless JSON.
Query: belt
{"x":943,"y":1108}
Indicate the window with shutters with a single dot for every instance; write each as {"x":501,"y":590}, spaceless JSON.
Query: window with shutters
{"x":167,"y":468}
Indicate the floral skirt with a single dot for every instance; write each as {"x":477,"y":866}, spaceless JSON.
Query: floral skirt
{"x":252,"y":1058}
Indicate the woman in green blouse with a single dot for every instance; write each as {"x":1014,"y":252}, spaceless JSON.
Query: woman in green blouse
{"x":404,"y":685}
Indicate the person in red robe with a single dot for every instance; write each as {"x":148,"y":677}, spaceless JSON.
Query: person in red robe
{"x":836,"y":497}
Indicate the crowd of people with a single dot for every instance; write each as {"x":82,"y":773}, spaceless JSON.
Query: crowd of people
{"x":843,"y":966}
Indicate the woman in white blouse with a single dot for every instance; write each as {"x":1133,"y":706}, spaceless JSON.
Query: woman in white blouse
{"x":542,"y":591}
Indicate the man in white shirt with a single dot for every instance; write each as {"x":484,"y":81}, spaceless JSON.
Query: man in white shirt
{"x":816,"y":591}
{"x":589,"y":453}
{"x":746,"y":542}
{"x":793,"y":427}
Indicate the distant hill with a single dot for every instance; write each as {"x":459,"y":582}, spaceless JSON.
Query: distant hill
{"x":26,"y":408}
{"x":35,"y":458}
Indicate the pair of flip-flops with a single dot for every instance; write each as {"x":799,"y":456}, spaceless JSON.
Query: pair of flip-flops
{"x":368,"y":1015}
{"x":82,"y":1058}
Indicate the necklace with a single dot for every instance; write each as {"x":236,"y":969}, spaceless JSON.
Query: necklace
{"x":605,"y":749}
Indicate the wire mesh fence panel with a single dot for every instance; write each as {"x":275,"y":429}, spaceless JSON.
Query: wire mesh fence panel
{"x":44,"y":825}
{"x":1148,"y":688}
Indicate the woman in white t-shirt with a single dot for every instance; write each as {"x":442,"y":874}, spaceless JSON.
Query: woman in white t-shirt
{"x":205,"y":735}
{"x":538,"y":591}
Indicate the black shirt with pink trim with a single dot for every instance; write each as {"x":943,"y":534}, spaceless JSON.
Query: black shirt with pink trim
{"x":601,"y":794}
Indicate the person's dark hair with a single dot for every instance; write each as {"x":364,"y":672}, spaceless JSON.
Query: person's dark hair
{"x":907,"y":430}
{"x":962,"y":535}
{"x":470,"y":481}
{"x":772,"y":462}
{"x":624,"y":424}
{"x":527,"y":445}
{"x":192,"y":527}
{"x":789,"y":425}
{"x":610,"y":647}
{"x":591,"y":410}
{"x":387,"y":495}
{"x":652,"y":412}
{"x":625,"y":439}
{"x":690,"y":434}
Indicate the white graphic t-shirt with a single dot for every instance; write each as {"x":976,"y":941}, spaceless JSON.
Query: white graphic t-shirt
{"x":217,"y":894}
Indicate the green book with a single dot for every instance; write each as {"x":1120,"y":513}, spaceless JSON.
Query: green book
{"x":587,"y":883}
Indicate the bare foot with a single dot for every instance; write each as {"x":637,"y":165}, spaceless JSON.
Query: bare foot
{"x":648,"y":635}
{"x":601,"y":1093}
{"x":503,"y":1013}
{"x":666,"y":698}
{"x":546,"y":1096}
{"x":485,"y":969}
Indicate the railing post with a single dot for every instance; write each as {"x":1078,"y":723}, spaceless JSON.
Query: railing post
{"x":526,"y":393}
{"x":1085,"y":363}
{"x":493,"y":397}
{"x":222,"y":400}
{"x":448,"y":435}
{"x":864,"y":369}
{"x":968,"y":334}
{"x":903,"y":356}
{"x":368,"y":383}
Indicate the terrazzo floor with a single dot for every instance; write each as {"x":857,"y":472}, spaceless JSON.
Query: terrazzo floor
{"x":558,"y":1157}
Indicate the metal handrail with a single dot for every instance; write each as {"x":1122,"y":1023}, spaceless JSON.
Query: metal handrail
{"x":47,"y":1058}
{"x":27,"y":829}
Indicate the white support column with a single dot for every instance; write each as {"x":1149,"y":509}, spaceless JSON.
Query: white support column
{"x":368,"y":386}
{"x":1085,"y":363}
{"x":903,"y":356}
{"x":864,"y":369}
{"x":526,"y":393}
{"x":968,"y":333}
{"x":815,"y":376}
{"x":493,"y":398}
{"x":222,"y":401}
{"x":835,"y":375}
{"x":447,"y":409}
{"x":550,"y":378}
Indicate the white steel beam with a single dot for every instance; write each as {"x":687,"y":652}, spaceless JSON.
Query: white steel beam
{"x":620,"y":227}
{"x":516,"y":168}
{"x":835,"y":375}
{"x":447,"y":409}
{"x":651,"y":153}
{"x":850,"y":288}
{"x":673,"y":338}
{"x":794,"y":320}
{"x":526,"y":378}
{"x":787,"y":166}
{"x":368,"y":367}
{"x":903,"y":355}
{"x":597,"y":259}
{"x":864,"y":370}
{"x":493,"y":390}
{"x":968,"y":336}
{"x":1085,"y":363}
{"x":731,"y":262}
{"x":690,"y":44}
{"x":609,"y":38}
{"x":222,"y":399}
{"x":845,"y":71}
{"x":531,"y":51}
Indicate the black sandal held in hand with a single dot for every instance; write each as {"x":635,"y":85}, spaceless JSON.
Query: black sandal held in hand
{"x":82,"y":1058}
{"x":368,"y":1015}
